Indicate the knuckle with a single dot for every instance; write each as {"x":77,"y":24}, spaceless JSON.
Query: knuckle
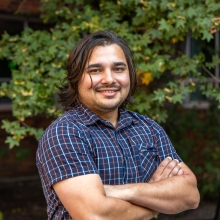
{"x":164,"y":162}
{"x":177,"y":167}
{"x":173,"y":163}
{"x":162,"y":165}
{"x":175,"y":171}
{"x":170,"y":166}
{"x":155,"y":177}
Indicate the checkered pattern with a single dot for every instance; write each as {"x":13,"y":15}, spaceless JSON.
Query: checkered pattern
{"x":80,"y":143}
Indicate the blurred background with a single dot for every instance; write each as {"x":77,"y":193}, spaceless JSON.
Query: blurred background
{"x":176,"y":45}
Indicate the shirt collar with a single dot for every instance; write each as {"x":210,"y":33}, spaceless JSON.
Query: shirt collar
{"x":126,"y":119}
{"x":89,"y":118}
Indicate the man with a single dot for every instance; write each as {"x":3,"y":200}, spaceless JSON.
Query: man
{"x":100,"y":161}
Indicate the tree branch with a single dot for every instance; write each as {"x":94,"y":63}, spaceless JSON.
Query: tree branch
{"x":20,"y":6}
{"x":213,"y":76}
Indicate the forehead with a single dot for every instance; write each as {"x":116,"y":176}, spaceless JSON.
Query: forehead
{"x":107,"y":53}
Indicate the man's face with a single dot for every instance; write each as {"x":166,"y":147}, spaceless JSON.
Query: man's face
{"x":110,"y":83}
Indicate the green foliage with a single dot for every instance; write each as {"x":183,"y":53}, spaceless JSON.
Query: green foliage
{"x":1,"y":216}
{"x":18,"y":132}
{"x":195,"y":135}
{"x":155,"y":31}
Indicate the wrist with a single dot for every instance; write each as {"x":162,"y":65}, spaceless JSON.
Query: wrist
{"x":123,"y":192}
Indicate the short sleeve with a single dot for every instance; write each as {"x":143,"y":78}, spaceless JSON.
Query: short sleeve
{"x":64,"y":153}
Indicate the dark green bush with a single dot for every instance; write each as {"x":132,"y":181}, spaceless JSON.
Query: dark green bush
{"x":196,"y":137}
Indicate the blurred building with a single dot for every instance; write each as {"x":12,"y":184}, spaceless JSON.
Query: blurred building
{"x":15,"y":15}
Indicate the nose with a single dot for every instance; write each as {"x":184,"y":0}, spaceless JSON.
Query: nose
{"x":108,"y":77}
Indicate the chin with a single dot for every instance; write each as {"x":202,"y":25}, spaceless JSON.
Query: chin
{"x":108,"y":106}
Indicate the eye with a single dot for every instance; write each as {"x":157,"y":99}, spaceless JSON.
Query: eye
{"x":95,"y":71}
{"x":119,"y":69}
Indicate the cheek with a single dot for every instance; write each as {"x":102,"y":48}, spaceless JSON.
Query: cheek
{"x":95,"y":80}
{"x":125,"y":82}
{"x":128,"y":86}
{"x":85,"y":83}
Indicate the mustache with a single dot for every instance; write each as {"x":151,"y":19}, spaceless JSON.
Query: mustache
{"x":107,"y":87}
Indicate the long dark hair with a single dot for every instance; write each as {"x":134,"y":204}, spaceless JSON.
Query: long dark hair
{"x":80,"y":54}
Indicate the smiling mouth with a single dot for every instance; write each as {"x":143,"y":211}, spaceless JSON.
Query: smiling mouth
{"x":108,"y":91}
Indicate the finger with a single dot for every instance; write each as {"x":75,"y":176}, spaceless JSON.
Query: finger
{"x":175,"y":170}
{"x":163,"y":165}
{"x":157,"y":174}
{"x":180,"y":172}
{"x":169,"y":168}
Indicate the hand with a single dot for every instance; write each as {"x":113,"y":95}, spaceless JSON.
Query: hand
{"x":166,"y":169}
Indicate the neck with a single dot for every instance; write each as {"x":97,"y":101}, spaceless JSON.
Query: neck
{"x":112,"y":116}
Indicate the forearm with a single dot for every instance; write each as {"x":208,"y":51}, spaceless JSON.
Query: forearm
{"x":113,"y":208}
{"x":84,"y":198}
{"x":172,"y":195}
{"x":108,"y":208}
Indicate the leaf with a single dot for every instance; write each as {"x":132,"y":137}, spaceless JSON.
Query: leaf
{"x":191,"y":12}
{"x":207,"y":36}
{"x":11,"y":142}
{"x":177,"y":98}
{"x":180,"y":23}
{"x":154,"y":33}
{"x":159,"y":95}
{"x":163,"y":4}
{"x":164,"y":26}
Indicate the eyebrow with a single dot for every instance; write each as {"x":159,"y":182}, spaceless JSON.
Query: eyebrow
{"x":94,"y":65}
{"x":100,"y":65}
{"x":119,"y":64}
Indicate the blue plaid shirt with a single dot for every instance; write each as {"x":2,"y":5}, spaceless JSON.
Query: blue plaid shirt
{"x":80,"y":143}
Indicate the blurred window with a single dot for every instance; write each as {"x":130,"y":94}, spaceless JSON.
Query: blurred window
{"x":196,"y":99}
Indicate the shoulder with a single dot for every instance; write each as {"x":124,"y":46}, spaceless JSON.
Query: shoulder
{"x":69,"y":120}
{"x":64,"y":129}
{"x":145,"y":121}
{"x":63,"y":135}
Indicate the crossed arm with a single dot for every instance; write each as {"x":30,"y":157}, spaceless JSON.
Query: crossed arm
{"x":84,"y":198}
{"x":171,"y":189}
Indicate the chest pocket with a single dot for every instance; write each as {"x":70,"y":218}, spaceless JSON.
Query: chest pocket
{"x":147,"y":160}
